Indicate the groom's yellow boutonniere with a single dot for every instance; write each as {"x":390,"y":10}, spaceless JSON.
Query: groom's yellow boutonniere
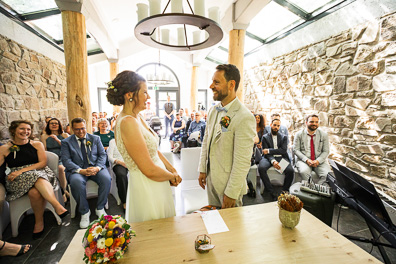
{"x":225,"y":121}
{"x":89,"y":144}
{"x":14,"y":148}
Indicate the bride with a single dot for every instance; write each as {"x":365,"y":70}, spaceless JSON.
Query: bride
{"x":149,"y":193}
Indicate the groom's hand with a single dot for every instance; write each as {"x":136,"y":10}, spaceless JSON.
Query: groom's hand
{"x":228,"y":202}
{"x":202,"y":180}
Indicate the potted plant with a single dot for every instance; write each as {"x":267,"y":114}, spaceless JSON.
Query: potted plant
{"x":289,"y":210}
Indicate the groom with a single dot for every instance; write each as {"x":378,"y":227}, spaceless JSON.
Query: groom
{"x":84,"y":157}
{"x":228,"y":142}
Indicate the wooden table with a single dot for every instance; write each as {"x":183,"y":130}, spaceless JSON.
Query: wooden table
{"x":256,"y":236}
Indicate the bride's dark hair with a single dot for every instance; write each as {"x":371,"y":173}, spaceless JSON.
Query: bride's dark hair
{"x":124,"y":82}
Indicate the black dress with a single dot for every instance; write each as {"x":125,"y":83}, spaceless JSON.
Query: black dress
{"x":25,"y":157}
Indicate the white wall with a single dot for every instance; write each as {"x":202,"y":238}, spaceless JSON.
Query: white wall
{"x":99,"y":74}
{"x":19,"y":34}
{"x":356,"y":13}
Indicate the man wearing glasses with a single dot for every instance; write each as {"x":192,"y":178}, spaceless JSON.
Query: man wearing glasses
{"x":194,"y":131}
{"x":84,"y":158}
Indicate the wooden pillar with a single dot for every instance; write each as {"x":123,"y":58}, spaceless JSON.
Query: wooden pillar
{"x":114,"y":70}
{"x":235,"y":55}
{"x":75,"y":45}
{"x":194,"y":90}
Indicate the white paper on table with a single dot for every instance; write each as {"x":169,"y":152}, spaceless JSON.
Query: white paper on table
{"x":283,"y":164}
{"x":213,"y":221}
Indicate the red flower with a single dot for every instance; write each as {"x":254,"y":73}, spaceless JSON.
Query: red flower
{"x":92,"y":245}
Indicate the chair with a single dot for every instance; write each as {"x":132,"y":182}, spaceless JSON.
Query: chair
{"x":4,"y":217}
{"x":297,"y":175}
{"x":19,"y":206}
{"x":169,"y":157}
{"x":252,"y":175}
{"x":92,"y":192}
{"x":113,"y":188}
{"x":193,"y":196}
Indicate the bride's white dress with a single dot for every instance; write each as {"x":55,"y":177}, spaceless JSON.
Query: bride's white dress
{"x":146,"y":199}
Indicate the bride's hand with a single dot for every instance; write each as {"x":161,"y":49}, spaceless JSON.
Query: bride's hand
{"x":176,"y":179}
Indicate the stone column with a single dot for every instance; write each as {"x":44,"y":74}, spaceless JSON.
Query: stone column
{"x":194,"y":90}
{"x":75,"y":46}
{"x":235,"y":55}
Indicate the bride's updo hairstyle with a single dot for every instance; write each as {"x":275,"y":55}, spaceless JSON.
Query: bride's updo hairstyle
{"x":124,"y":82}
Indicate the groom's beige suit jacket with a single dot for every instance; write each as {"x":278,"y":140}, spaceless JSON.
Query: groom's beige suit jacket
{"x":227,"y":156}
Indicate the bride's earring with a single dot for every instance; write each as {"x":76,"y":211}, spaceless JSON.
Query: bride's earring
{"x":130,"y":100}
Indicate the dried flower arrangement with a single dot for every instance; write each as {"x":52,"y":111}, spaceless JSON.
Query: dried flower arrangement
{"x":290,"y":202}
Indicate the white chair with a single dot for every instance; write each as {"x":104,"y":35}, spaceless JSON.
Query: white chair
{"x":193,"y":196}
{"x":113,"y":188}
{"x":19,"y":206}
{"x":4,"y":217}
{"x":169,"y":157}
{"x":92,"y":192}
{"x":252,"y":175}
{"x":190,"y":158}
{"x":276,"y":178}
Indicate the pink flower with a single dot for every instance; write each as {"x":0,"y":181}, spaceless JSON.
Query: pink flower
{"x":88,"y":252}
{"x":108,"y":217}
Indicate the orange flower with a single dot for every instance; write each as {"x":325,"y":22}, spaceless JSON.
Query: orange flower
{"x":92,"y":245}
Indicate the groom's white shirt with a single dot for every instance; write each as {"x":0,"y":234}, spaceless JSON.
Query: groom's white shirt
{"x":225,"y":156}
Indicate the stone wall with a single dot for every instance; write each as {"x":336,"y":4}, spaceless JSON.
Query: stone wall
{"x":32,"y":87}
{"x":350,"y":81}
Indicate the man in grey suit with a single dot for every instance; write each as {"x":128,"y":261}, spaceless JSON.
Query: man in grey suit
{"x":311,"y":146}
{"x":84,"y":158}
{"x":228,"y":142}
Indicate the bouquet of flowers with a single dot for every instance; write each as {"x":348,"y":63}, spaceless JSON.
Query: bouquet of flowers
{"x":106,"y":239}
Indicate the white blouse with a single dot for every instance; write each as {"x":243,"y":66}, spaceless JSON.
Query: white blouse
{"x":113,"y":153}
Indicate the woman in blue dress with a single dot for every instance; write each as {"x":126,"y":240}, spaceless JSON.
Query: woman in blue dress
{"x":178,"y":126}
{"x":52,"y":142}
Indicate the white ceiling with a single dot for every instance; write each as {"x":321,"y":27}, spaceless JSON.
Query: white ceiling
{"x":112,"y":23}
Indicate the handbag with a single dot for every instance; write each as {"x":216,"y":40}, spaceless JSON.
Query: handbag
{"x":192,"y":142}
{"x":257,"y":155}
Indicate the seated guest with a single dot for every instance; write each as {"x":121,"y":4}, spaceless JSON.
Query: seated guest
{"x":52,"y":143}
{"x":29,"y":173}
{"x":101,"y":115}
{"x":260,"y":126}
{"x":178,"y":126}
{"x":282,"y":129}
{"x":47,"y":119}
{"x":148,"y":113}
{"x":190,"y":120}
{"x":311,"y":146}
{"x":95,"y":114}
{"x":67,"y":129}
{"x":13,"y":250}
{"x":203,"y":132}
{"x":113,"y":121}
{"x":183,"y":116}
{"x":274,"y":149}
{"x":120,"y":170}
{"x":196,"y":125}
{"x":84,"y":157}
{"x":104,"y":133}
{"x":94,"y":124}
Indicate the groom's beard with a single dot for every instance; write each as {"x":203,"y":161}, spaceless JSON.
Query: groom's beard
{"x":274,"y":132}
